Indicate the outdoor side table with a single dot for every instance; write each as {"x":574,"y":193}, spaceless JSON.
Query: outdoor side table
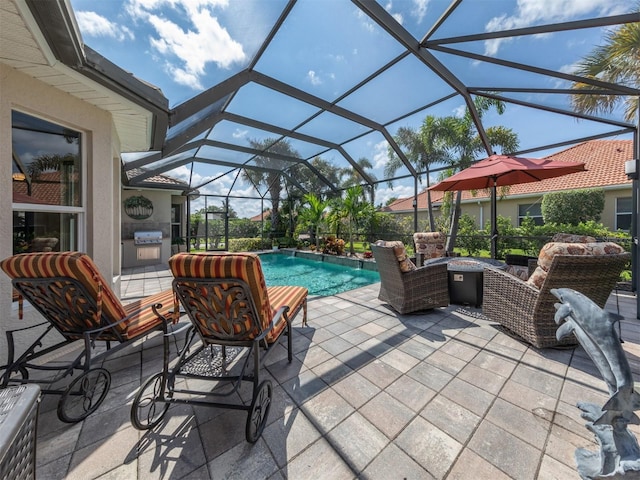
{"x":466,"y":277}
{"x":18,"y":419}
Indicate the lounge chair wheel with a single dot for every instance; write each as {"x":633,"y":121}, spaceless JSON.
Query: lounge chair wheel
{"x":148,"y":408}
{"x":84,"y":395}
{"x":257,"y":418}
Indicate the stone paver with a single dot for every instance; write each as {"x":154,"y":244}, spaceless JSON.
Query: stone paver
{"x":370,"y":394}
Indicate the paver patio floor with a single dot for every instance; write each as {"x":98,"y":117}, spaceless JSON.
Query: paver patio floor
{"x":370,"y":394}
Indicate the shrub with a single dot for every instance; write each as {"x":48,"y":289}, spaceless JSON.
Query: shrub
{"x":573,"y":206}
{"x":469,"y":237}
{"x":248,"y":244}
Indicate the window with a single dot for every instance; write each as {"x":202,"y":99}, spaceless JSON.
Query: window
{"x":176,"y":221}
{"x":533,"y":210}
{"x":47,"y":185}
{"x":623,"y":213}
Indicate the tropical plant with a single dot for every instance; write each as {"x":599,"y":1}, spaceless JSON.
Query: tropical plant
{"x":617,"y":61}
{"x":460,"y":139}
{"x":352,"y":205}
{"x":351,"y":177}
{"x":313,"y":214}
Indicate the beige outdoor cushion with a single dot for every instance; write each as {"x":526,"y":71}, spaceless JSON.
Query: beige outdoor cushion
{"x":406,"y":265}
{"x":559,"y":248}
{"x":430,"y":244}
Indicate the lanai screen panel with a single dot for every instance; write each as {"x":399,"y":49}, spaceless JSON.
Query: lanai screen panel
{"x":326,"y":48}
{"x":331,"y":78}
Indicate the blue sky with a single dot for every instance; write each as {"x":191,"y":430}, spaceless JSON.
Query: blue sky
{"x":327,"y":46}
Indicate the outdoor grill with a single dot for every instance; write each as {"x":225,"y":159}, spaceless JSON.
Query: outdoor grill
{"x":147,"y":238}
{"x":147,"y":245}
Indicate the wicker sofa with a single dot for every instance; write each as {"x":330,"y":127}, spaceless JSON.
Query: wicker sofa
{"x":526,"y":308}
{"x":411,"y":290}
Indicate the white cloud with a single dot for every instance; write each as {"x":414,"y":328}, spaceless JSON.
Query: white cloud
{"x":568,"y":68}
{"x":188,"y":47}
{"x":183,"y":77}
{"x":93,"y":25}
{"x":397,"y":16}
{"x":420,"y":9}
{"x":535,"y":12}
{"x":380,"y":154}
{"x":366,"y":22}
{"x":314,"y":78}
{"x":398,"y":191}
{"x":459,"y":111}
{"x":239,"y":133}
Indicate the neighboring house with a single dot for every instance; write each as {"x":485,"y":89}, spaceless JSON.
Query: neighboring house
{"x":66,"y":116}
{"x":266,"y":215}
{"x":604,"y":161}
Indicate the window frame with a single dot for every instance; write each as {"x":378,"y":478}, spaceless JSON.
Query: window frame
{"x":528,"y":207}
{"x":618,"y":213}
{"x":78,"y":211}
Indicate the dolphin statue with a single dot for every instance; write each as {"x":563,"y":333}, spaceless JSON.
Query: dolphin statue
{"x":595,"y":330}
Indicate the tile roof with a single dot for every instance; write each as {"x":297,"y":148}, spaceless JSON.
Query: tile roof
{"x":604,"y":163}
{"x":266,"y":215}
{"x":46,"y":189}
{"x":159,"y":181}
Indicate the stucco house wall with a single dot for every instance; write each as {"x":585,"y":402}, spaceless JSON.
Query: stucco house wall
{"x":100,"y":237}
{"x":480,"y":208}
{"x":160,"y":220}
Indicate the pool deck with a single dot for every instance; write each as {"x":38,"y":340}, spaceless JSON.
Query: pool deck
{"x":370,"y":395}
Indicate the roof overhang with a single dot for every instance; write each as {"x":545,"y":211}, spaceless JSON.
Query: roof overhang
{"x":41,"y":39}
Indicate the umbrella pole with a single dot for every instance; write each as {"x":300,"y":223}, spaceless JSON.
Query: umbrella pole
{"x":494,"y":220}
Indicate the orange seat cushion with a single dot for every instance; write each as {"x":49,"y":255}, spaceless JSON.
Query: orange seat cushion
{"x":80,"y":267}
{"x":245,"y":267}
{"x":283,"y":296}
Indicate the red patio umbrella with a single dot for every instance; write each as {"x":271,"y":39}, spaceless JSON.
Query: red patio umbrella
{"x":501,"y":170}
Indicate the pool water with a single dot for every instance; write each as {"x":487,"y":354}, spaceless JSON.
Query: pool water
{"x":320,"y":278}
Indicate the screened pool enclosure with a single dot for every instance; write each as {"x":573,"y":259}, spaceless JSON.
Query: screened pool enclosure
{"x":326,"y":91}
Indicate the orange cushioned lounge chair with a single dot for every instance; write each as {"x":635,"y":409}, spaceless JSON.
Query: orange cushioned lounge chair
{"x":235,"y":318}
{"x":67,"y":289}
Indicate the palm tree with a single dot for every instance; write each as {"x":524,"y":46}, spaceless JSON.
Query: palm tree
{"x":421,"y":152}
{"x":272,"y":179}
{"x":314,"y":214}
{"x":352,"y":204}
{"x":459,"y":138}
{"x":617,"y":61}
{"x":352,"y":177}
{"x":310,"y":181}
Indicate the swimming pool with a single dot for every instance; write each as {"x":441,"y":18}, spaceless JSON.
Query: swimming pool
{"x":319,"y":277}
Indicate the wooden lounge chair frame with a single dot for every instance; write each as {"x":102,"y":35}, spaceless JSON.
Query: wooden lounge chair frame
{"x":69,"y":292}
{"x":228,"y":340}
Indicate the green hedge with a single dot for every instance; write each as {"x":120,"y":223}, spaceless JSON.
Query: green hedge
{"x":248,"y":244}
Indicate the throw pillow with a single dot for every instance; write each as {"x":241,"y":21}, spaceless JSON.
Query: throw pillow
{"x":406,"y":265}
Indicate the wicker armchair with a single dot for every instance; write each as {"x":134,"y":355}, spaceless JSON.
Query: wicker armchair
{"x":528,"y":311}
{"x":420,"y":289}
